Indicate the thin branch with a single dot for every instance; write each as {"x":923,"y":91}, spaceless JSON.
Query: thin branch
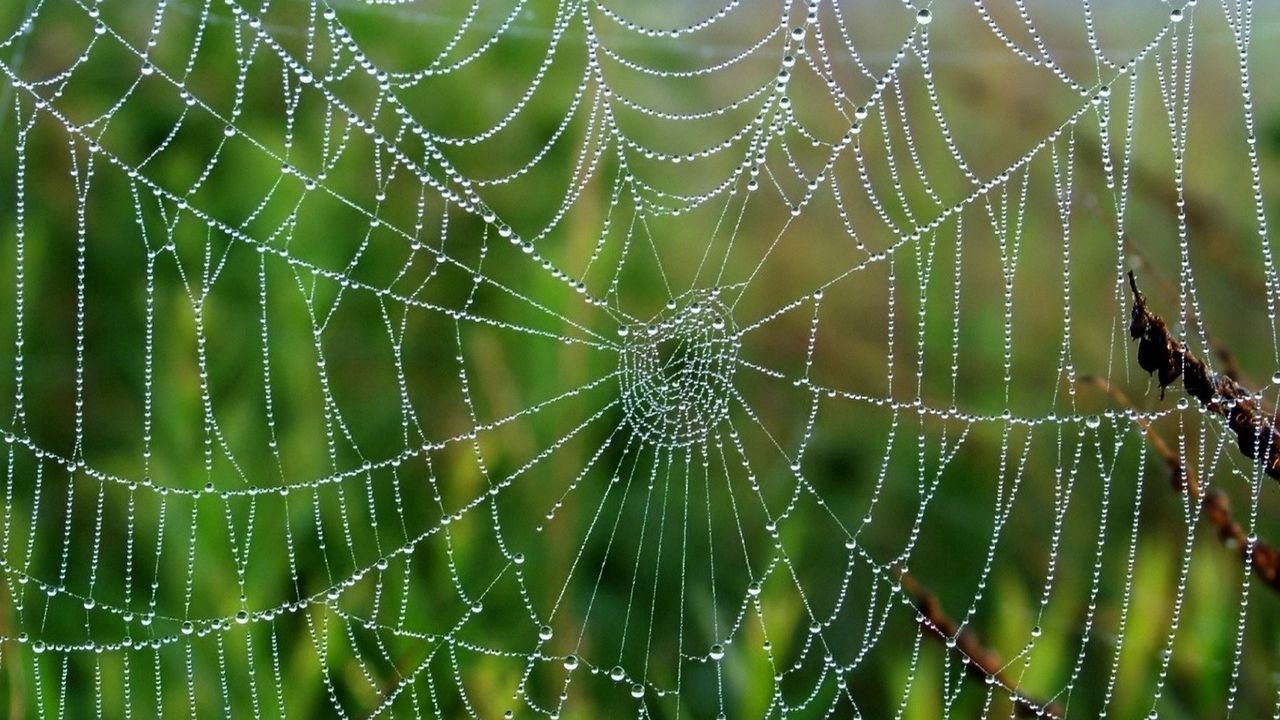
{"x":1159,"y":352}
{"x":1262,"y":556}
{"x":1226,"y":358}
{"x":983,"y":662}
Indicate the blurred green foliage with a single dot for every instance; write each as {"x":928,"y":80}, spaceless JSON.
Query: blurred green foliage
{"x":999,"y":108}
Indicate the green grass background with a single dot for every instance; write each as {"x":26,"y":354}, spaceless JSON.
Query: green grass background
{"x":999,"y":108}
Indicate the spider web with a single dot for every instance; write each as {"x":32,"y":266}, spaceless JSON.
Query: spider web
{"x":586,"y":359}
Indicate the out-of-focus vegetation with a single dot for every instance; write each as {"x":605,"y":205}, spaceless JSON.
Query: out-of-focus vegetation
{"x":999,"y":108}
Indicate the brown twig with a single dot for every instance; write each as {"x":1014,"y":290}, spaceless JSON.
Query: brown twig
{"x":1160,"y":353}
{"x":1263,"y":557}
{"x":983,"y":662}
{"x":1226,"y":358}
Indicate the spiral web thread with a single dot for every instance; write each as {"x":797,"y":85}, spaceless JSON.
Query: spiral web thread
{"x":431,"y":426}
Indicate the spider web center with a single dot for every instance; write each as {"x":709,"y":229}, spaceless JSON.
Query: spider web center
{"x":677,"y":370}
